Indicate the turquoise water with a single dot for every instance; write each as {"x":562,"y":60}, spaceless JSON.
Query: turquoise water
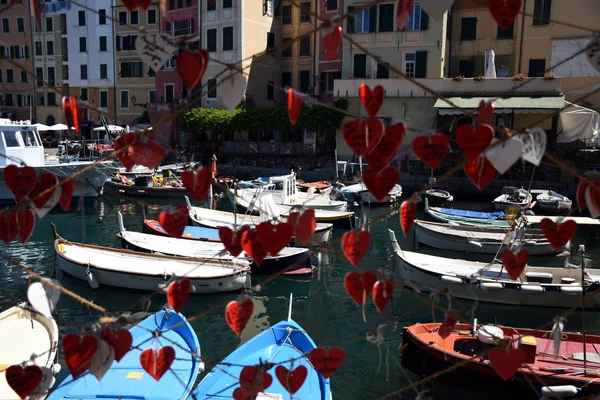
{"x":320,"y":305}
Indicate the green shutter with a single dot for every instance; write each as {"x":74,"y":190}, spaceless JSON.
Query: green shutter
{"x":350,"y":22}
{"x":322,"y":83}
{"x":424,"y":20}
{"x":373,"y":19}
{"x":421,"y":64}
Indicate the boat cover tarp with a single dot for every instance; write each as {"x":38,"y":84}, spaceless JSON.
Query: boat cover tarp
{"x":472,"y":214}
{"x":579,"y":123}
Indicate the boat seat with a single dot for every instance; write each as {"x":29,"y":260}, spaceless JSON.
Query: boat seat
{"x":529,"y":347}
{"x":542,"y":277}
{"x":590,"y":357}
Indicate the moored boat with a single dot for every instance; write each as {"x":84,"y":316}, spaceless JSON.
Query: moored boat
{"x":144,"y":186}
{"x":553,"y":202}
{"x":466,"y":217}
{"x":393,"y":196}
{"x":153,"y":227}
{"x":323,"y":187}
{"x":512,"y":197}
{"x":438,"y":197}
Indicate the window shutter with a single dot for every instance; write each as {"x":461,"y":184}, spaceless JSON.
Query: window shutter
{"x":373,"y":19}
{"x":191,"y":25}
{"x":14,"y":54}
{"x":26,"y":51}
{"x":424,"y":20}
{"x":118,"y":43}
{"x":322,"y":83}
{"x":546,"y":11}
{"x":421,"y":64}
{"x":350,"y":23}
{"x":168,"y":27}
{"x":2,"y":53}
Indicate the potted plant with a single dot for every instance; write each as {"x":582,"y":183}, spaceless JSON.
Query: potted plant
{"x":519,"y":77}
{"x":548,"y":76}
{"x":479,"y":78}
{"x":458,"y":78}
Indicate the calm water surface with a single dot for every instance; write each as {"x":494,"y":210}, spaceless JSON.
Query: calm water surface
{"x":321,"y":304}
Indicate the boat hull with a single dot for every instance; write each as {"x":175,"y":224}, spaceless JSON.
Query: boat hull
{"x":391,"y":197}
{"x":438,"y":198}
{"x":119,"y":189}
{"x":557,"y":207}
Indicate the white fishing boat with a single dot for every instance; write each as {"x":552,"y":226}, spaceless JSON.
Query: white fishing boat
{"x":23,"y":333}
{"x":132,"y":270}
{"x":21,"y":144}
{"x":392,"y":197}
{"x":482,"y":239}
{"x":512,"y":197}
{"x":553,"y":202}
{"x":489,"y":282}
{"x":208,"y":218}
{"x":438,"y":197}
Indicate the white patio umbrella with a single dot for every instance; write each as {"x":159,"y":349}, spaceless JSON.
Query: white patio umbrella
{"x":490,"y":71}
{"x":58,"y":127}
{"x":111,"y":128}
{"x":42,"y":127}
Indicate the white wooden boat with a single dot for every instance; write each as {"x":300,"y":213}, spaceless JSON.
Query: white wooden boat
{"x":438,"y":197}
{"x":391,"y":197}
{"x":466,"y":217}
{"x":512,"y":197}
{"x":482,"y":239}
{"x":24,"y":332}
{"x":132,"y":270}
{"x":489,"y":282}
{"x":553,"y":202}
{"x":215,"y":219}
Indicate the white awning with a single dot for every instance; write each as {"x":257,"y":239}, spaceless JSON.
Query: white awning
{"x":507,"y":105}
{"x":579,"y":123}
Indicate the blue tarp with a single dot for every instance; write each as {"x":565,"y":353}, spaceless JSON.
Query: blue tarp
{"x":472,"y":214}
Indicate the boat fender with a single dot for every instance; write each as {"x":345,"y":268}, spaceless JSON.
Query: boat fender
{"x":559,"y":391}
{"x":571,"y":289}
{"x":491,"y":285}
{"x":490,"y":334}
{"x":451,"y":279}
{"x":92,"y":279}
{"x":56,"y":368}
{"x":532,"y":288}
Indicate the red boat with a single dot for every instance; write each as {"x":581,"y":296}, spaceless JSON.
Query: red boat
{"x":320,"y":186}
{"x":426,"y":352}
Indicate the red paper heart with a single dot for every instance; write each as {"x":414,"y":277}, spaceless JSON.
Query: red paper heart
{"x":371,"y":100}
{"x":431,"y":150}
{"x":359,"y":286}
{"x":473,"y":142}
{"x":133,"y":4}
{"x":25,"y":223}
{"x":253,"y":247}
{"x":124,"y":141}
{"x":237,"y":314}
{"x":24,"y":381}
{"x":408,"y":213}
{"x":291,"y":380}
{"x":147,"y":152}
{"x":232,"y":240}
{"x":43,"y":189}
{"x":253,"y":380}
{"x":120,"y":341}
{"x":558,"y":234}
{"x":197,"y":183}
{"x":403,"y":12}
{"x":355,"y":245}
{"x":382,"y":293}
{"x":66,"y":196}
{"x":192,"y":66}
{"x":8,"y":225}
{"x":306,"y":226}
{"x":294,"y":105}
{"x":380,"y":184}
{"x":71,"y":112}
{"x":20,"y":180}
{"x":385,"y":151}
{"x":480,"y":171}
{"x":327,"y":361}
{"x":362,"y":136}
{"x":274,"y":238}
{"x":581,"y":203}
{"x":78,"y":352}
{"x":592,"y":198}
{"x":515,"y":264}
{"x":504,"y":11}
{"x":332,"y":41}
{"x":505,"y":362}
{"x":178,"y":294}
{"x":174,"y":222}
{"x":156,"y":363}
{"x":36,"y":8}
{"x":485,"y":112}
{"x":447,"y":326}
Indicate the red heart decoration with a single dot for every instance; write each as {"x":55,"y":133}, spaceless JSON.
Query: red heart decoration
{"x":36,"y":7}
{"x":253,"y":380}
{"x":431,"y":150}
{"x":592,"y":199}
{"x":355,"y":245}
{"x":66,"y":196}
{"x":332,"y":41}
{"x":580,"y":196}
{"x":253,"y":247}
{"x":359,"y":286}
{"x":371,"y":100}
{"x":20,"y":180}
{"x":133,"y":4}
{"x":291,"y":380}
{"x":24,"y":381}
{"x":506,"y":362}
{"x":558,"y":234}
{"x":504,"y":11}
{"x":156,"y":363}
{"x":480,"y":171}
{"x":237,"y":314}
{"x":306,"y":226}
{"x":178,"y":294}
{"x":327,"y":362}
{"x":274,"y":238}
{"x":232,"y":240}
{"x":147,"y":152}
{"x":8,"y":225}
{"x":78,"y":352}
{"x":71,"y":112}
{"x":197,"y":183}
{"x":385,"y":151}
{"x":46,"y":184}
{"x":474,"y":142}
{"x":124,"y":141}
{"x":515,"y":264}
{"x":362,"y":136}
{"x":380,"y":184}
{"x":25,"y":224}
{"x":408,"y":213}
{"x":403,"y":12}
{"x":120,"y":341}
{"x":192,"y":66}
{"x":485,"y":112}
{"x":174,"y":222}
{"x":294,"y":105}
{"x":382,"y":293}
{"x":447,"y":326}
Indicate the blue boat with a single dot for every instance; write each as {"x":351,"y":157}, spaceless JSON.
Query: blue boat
{"x":284,"y":341}
{"x":127,"y":380}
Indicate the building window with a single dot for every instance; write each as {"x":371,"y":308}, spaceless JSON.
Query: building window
{"x":466,"y":68}
{"x":228,"y":38}
{"x":124,"y":98}
{"x":171,"y":63}
{"x":126,"y":42}
{"x":9,"y":76}
{"x":286,"y":15}
{"x":419,"y":20}
{"x":211,"y":5}
{"x":541,"y":12}
{"x":211,"y":40}
{"x":51,"y":77}
{"x":468,"y":28}
{"x":537,"y":67}
{"x":169,"y":93}
{"x":24,"y":52}
{"x":122,"y":17}
{"x":327,"y":80}
{"x":361,"y":21}
{"x":84,"y":94}
{"x":287,"y":50}
{"x":103,"y":71}
{"x":151,"y":73}
{"x":409,"y":64}
{"x":39,"y":75}
{"x":360,"y":66}
{"x":83,"y":71}
{"x":270,"y":40}
{"x":81,"y":15}
{"x":305,"y":46}
{"x":19,"y":100}
{"x":179,"y":3}
{"x":304,"y":80}
{"x":50,"y":48}
{"x":132,"y":69}
{"x":84,"y":114}
{"x":227,"y":3}
{"x":6,"y":25}
{"x":212,"y":89}
{"x":23,"y":76}
{"x":181,"y":27}
{"x":286,"y":79}
{"x":40,"y":98}
{"x":152,"y":96}
{"x":305,"y":12}
{"x":151,"y":17}
{"x":270,"y":90}
{"x":103,"y":43}
{"x":502,"y":72}
{"x":102,"y":17}
{"x":386,"y":18}
{"x":49,"y":27}
{"x":506,"y":33}
{"x":331,"y":5}
{"x":134,"y":18}
{"x":8,"y":100}
{"x":0,"y":80}
{"x":20,"y":25}
{"x":7,"y":52}
{"x":38,"y":48}
{"x":382,"y":71}
{"x":82,"y":44}
{"x":51,"y":99}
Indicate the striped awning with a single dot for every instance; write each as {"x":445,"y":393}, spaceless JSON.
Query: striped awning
{"x":503,"y":105}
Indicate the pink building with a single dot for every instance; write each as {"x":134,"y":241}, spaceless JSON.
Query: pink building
{"x":181,"y":22}
{"x":328,"y":70}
